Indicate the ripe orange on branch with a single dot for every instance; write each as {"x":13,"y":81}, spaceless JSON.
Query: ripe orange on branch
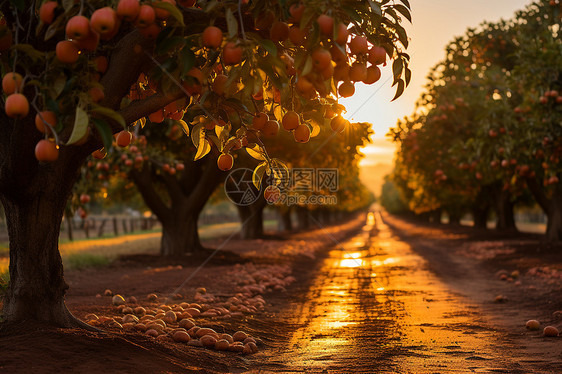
{"x":47,"y":12}
{"x":78,"y":27}
{"x":212,"y":37}
{"x":17,"y":106}
{"x":326,"y":24}
{"x":259,"y":120}
{"x":46,"y":151}
{"x":128,"y":9}
{"x":11,"y":83}
{"x":290,"y":120}
{"x":67,"y":52}
{"x":103,"y":20}
{"x":302,"y":134}
{"x":225,"y":162}
{"x":49,"y":117}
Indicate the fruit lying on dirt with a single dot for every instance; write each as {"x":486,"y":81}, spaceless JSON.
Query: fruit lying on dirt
{"x":533,"y":324}
{"x":181,"y":336}
{"x":118,"y":300}
{"x":551,"y":331}
{"x":500,"y":299}
{"x":240,"y":336}
{"x":152,"y":297}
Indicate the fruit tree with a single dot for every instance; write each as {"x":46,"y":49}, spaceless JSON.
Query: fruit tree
{"x":77,"y":72}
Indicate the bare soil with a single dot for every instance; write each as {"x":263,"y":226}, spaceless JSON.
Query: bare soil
{"x":470,"y":262}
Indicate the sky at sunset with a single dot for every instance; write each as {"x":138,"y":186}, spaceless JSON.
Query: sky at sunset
{"x":435,"y":23}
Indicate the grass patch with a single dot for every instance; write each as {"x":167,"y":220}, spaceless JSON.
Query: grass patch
{"x":85,"y":260}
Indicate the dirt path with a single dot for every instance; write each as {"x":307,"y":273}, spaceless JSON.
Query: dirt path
{"x":374,"y":306}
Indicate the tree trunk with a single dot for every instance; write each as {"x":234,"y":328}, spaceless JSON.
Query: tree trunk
{"x":180,"y":236}
{"x":504,"y":211}
{"x":481,"y":209}
{"x":285,"y":221}
{"x":454,"y":218}
{"x":554,"y":214}
{"x":34,"y":214}
{"x":251,"y":217}
{"x":303,"y":222}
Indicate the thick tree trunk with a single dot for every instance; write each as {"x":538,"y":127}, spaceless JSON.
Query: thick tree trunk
{"x":505,"y":220}
{"x":554,"y":225}
{"x":303,"y":222}
{"x":251,"y":218}
{"x":34,"y":212}
{"x":454,"y":218}
{"x":285,"y":221}
{"x":481,"y":209}
{"x":180,"y":236}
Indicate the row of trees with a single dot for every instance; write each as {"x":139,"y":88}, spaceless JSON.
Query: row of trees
{"x":81,"y":71}
{"x":486,"y":132}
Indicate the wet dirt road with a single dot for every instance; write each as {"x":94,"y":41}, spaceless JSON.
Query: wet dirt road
{"x":374,"y":307}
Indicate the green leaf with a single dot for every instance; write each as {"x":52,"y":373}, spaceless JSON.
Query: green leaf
{"x":80,"y":127}
{"x":257,"y":176}
{"x":59,"y":84}
{"x":196,"y":134}
{"x":68,"y":4}
{"x":168,"y":44}
{"x":404,"y":11}
{"x":31,"y":52}
{"x":307,"y":66}
{"x":184,"y":127}
{"x":407,"y":3}
{"x":408,"y":76}
{"x":203,"y":149}
{"x":269,"y":46}
{"x":376,"y":8}
{"x":54,"y":27}
{"x":109,"y":113}
{"x":397,"y":68}
{"x":231,"y":23}
{"x":255,"y":152}
{"x":402,"y":36}
{"x":105,"y":132}
{"x":186,"y":60}
{"x":399,"y":90}
{"x":174,"y":11}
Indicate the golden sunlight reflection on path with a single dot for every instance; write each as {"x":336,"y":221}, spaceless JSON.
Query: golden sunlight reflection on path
{"x":374,"y":307}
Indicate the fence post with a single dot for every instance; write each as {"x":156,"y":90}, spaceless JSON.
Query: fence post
{"x":115,"y":228}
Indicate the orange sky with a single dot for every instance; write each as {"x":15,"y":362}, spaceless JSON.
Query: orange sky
{"x":435,"y":23}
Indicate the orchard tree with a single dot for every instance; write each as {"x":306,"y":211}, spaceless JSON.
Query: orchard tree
{"x":74,"y":73}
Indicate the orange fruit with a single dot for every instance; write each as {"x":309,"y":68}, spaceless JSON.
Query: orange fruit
{"x":67,"y":52}
{"x":49,"y":117}
{"x":47,"y":12}
{"x":373,"y":74}
{"x":89,"y":43}
{"x":99,"y":153}
{"x":78,"y":27}
{"x":341,"y":72}
{"x":271,"y":128}
{"x":103,"y":20}
{"x":157,"y":117}
{"x":123,"y":138}
{"x":321,"y":58}
{"x":279,"y":31}
{"x":225,"y":162}
{"x":302,"y":134}
{"x":17,"y":106}
{"x":290,"y":120}
{"x":146,"y":16}
{"x":359,"y":45}
{"x":358,"y":72}
{"x":346,"y":89}
{"x":219,"y":84}
{"x":338,"y":55}
{"x":163,"y":14}
{"x":96,"y":94}
{"x":46,"y":151}
{"x":297,"y":36}
{"x":296,"y":11}
{"x":377,"y":55}
{"x":328,"y":72}
{"x":151,"y":31}
{"x":259,"y":120}
{"x":101,"y":63}
{"x":11,"y":83}
{"x":128,"y":9}
{"x":232,"y":54}
{"x":338,"y":123}
{"x":212,"y":37}
{"x":303,"y":85}
{"x":326,"y":24}
{"x":342,"y":33}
